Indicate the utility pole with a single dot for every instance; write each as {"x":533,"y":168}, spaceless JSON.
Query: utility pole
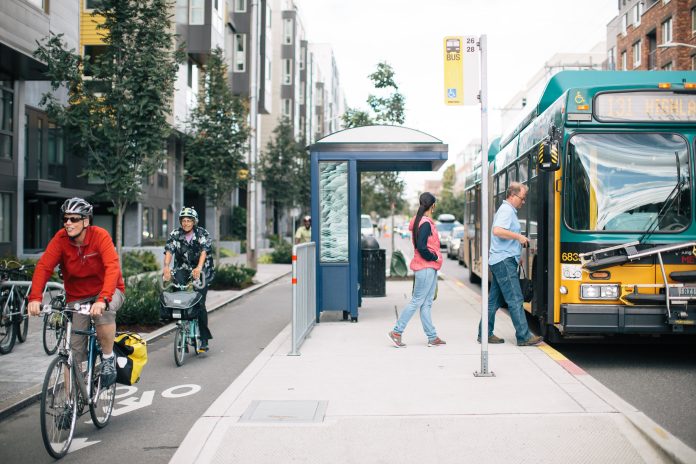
{"x":253,"y":144}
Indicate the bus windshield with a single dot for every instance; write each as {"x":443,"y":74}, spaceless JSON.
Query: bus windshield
{"x":628,"y":183}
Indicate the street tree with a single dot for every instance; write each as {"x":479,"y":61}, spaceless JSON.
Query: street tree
{"x":284,"y":170}
{"x":117,"y":100}
{"x":216,"y":140}
{"x":450,"y":202}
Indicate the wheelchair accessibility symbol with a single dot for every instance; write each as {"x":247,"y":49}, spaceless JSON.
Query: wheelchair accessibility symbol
{"x":451,"y":93}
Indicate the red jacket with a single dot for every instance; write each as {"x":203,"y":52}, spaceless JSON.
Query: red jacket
{"x":89,"y":269}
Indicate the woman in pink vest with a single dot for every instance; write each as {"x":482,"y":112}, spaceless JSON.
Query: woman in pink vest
{"x":427,"y":260}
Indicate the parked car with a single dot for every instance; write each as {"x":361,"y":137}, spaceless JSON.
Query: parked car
{"x":366,"y":228}
{"x":445,"y":223}
{"x":454,"y":242}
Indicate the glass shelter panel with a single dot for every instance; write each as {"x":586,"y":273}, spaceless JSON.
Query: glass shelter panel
{"x":333,"y":212}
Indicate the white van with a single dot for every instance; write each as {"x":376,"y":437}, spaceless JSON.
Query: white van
{"x":366,"y":228}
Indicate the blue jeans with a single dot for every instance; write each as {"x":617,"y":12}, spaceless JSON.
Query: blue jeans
{"x":423,"y":293}
{"x":505,"y":286}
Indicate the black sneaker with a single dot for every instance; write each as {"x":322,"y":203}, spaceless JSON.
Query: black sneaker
{"x":108,"y":371}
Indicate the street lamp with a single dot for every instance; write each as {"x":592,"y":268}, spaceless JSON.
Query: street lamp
{"x":676,"y":44}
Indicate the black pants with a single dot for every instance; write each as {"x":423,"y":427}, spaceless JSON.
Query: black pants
{"x":183,"y":276}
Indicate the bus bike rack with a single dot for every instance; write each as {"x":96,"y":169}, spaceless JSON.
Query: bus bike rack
{"x":594,"y":260}
{"x":27,"y":283}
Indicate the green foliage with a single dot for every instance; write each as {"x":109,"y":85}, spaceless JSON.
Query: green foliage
{"x":284,"y":169}
{"x":265,"y":259}
{"x":238,"y":229}
{"x":448,"y":201}
{"x":118,"y":117}
{"x":282,"y":253}
{"x":142,"y":303}
{"x":232,"y":276}
{"x":137,"y":262}
{"x":380,"y":190}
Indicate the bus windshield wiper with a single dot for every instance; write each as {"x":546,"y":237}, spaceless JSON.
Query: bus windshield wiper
{"x":669,"y":201}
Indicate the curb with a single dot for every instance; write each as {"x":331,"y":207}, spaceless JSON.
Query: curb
{"x":664,"y":441}
{"x":32,"y":394}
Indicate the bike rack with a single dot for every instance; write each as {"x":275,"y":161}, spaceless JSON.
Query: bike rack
{"x":27,"y":283}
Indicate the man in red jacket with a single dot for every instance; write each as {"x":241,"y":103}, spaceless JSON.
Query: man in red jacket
{"x":91,"y":270}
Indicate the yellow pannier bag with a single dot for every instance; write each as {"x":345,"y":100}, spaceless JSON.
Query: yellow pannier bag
{"x":131,"y":356}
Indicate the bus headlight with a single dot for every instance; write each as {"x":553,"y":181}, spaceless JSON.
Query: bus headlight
{"x":599,"y":291}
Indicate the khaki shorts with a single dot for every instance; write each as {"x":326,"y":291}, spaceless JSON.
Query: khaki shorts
{"x":78,"y":343}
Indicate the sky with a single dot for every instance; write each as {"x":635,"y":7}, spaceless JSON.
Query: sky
{"x":408,"y":34}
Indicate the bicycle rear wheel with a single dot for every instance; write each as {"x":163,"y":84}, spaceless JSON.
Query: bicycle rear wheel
{"x":195,"y":337}
{"x":53,"y":332}
{"x":58,"y":408}
{"x":102,"y":403}
{"x":22,"y":321}
{"x":7,"y":331}
{"x":180,"y":343}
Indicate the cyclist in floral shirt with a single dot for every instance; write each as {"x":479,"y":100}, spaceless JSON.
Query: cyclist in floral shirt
{"x":190,"y":247}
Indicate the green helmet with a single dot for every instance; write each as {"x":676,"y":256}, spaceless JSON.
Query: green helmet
{"x":188,"y":211}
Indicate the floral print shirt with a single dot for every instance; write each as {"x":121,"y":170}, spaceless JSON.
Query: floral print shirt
{"x":186,"y":254}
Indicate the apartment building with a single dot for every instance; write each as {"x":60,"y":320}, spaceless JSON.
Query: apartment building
{"x":36,"y":174}
{"x":653,"y":35}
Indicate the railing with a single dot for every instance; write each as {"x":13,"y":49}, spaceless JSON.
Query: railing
{"x":304,"y":301}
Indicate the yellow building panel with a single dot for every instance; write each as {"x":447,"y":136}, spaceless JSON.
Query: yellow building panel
{"x":89,"y":35}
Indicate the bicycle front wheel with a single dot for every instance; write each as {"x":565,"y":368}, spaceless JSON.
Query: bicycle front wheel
{"x":53,"y":331}
{"x":22,"y":323}
{"x":102,"y":403}
{"x":180,"y":344}
{"x":58,"y":408}
{"x":7,"y":332}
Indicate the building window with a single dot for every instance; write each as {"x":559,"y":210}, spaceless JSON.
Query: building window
{"x":164,"y":223}
{"x":5,"y":216}
{"x":162,"y":175}
{"x":92,"y":4}
{"x":287,"y":72}
{"x":6,"y":121}
{"x":147,"y":223}
{"x":240,"y":6}
{"x":240,"y":53}
{"x":56,"y":153}
{"x":287,"y":31}
{"x":302,"y":94}
{"x":693,"y":62}
{"x":303,"y":57}
{"x":611,"y":58}
{"x":667,"y":67}
{"x":624,"y":61}
{"x":197,"y":12}
{"x":40,"y":4}
{"x":624,"y":24}
{"x":92,"y":54}
{"x":637,"y":13}
{"x":636,"y":54}
{"x":693,"y":21}
{"x":287,"y":108}
{"x":667,"y":31}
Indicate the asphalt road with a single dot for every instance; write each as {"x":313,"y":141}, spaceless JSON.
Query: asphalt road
{"x":152,"y":418}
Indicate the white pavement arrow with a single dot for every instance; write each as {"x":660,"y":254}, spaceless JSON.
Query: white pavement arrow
{"x":132,"y":403}
{"x":79,"y":443}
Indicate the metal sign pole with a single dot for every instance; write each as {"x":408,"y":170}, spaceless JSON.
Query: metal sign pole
{"x":484,"y":372}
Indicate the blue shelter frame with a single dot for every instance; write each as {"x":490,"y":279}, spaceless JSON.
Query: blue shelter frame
{"x":336,"y":163}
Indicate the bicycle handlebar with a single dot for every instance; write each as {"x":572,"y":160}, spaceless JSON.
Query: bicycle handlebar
{"x":197,"y":284}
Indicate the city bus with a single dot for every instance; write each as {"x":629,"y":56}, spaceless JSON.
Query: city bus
{"x":609,"y":161}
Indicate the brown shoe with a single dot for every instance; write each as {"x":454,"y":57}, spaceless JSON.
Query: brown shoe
{"x":437,"y":341}
{"x":493,"y":339}
{"x":396,"y":339}
{"x":533,"y":340}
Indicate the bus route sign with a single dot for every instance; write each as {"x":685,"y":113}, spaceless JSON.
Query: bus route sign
{"x":643,"y":106}
{"x":461,"y":70}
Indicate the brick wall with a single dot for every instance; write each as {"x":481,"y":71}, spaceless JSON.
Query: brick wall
{"x":650,"y":31}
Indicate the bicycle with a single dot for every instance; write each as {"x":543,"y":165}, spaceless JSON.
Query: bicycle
{"x":54,"y":326}
{"x":67,"y":391}
{"x":183,"y":305}
{"x":14,"y":320}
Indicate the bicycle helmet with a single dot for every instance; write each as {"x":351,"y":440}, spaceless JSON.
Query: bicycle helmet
{"x":188,"y":211}
{"x":76,"y":206}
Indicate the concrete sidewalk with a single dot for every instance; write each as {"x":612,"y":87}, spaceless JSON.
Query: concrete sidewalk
{"x":22,"y":371}
{"x":352,"y":397}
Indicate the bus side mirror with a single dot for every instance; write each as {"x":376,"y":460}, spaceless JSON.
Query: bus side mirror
{"x":548,"y":156}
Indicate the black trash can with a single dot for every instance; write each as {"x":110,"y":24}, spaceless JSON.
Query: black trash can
{"x":373,"y":281}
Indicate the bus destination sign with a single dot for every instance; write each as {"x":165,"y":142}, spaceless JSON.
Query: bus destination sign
{"x":645,"y":106}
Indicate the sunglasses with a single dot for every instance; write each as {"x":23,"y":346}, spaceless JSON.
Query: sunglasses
{"x":72,"y":219}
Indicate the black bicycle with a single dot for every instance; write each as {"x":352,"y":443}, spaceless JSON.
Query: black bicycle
{"x":67,"y":391}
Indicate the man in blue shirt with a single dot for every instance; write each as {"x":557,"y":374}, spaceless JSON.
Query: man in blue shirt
{"x":503,"y":260}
